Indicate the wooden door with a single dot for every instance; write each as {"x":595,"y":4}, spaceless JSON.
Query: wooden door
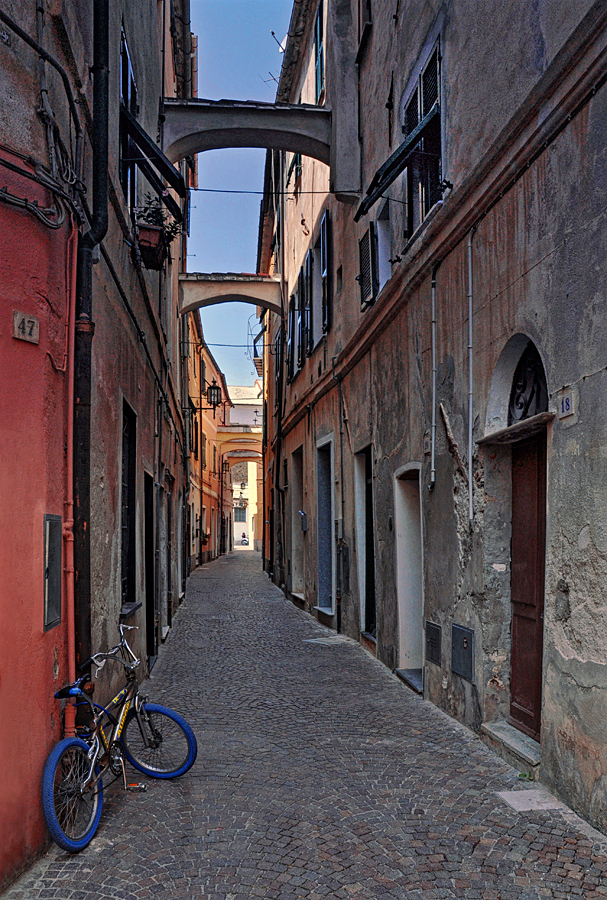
{"x":527,"y":585}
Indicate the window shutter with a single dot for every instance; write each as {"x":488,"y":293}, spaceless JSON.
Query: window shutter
{"x":367,"y":278}
{"x":325,"y":272}
{"x":301,"y":328}
{"x":309,"y":282}
{"x":319,"y":52}
{"x":430,"y":84}
{"x":411,"y":114}
{"x":291,"y":340}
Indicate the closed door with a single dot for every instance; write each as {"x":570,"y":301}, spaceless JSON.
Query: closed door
{"x":527,"y":585}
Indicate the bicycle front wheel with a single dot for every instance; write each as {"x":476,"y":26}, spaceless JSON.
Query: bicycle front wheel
{"x":71,"y":808}
{"x":159,"y":742}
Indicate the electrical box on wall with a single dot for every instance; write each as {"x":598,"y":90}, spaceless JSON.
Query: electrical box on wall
{"x":462,"y":652}
{"x":433,"y":643}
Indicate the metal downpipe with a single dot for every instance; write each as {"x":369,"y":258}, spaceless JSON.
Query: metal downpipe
{"x":433,"y":426}
{"x":84,"y":330}
{"x":470,"y":383}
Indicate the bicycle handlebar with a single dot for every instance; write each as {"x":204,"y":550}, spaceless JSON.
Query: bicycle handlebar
{"x":113,"y":653}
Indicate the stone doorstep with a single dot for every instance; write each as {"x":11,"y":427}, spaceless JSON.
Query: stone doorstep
{"x":516,"y":748}
{"x":413,"y":678}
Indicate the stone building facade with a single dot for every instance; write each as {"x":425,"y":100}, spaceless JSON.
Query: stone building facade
{"x":93,"y":475}
{"x":209,"y":409}
{"x":434,"y":388}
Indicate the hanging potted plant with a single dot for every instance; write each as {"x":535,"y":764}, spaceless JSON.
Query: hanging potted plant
{"x":156,"y":229}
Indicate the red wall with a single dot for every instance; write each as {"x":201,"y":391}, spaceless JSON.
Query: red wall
{"x":34,"y":279}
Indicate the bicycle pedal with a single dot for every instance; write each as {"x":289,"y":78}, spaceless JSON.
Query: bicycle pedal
{"x":137,"y":788}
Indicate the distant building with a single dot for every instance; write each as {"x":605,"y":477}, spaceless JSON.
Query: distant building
{"x":241,"y":449}
{"x":209,"y":496}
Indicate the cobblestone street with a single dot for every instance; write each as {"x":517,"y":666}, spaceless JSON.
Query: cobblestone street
{"x":319,"y":775}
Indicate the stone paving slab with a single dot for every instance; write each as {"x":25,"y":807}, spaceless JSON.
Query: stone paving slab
{"x":319,"y":775}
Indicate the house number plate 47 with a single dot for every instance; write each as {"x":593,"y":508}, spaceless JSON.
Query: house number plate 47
{"x":26,"y":328}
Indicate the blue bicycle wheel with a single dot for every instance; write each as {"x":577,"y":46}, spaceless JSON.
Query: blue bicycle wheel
{"x":160,"y":742}
{"x":72,"y":814}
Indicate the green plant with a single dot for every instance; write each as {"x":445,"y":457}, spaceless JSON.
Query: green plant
{"x":154,"y":213}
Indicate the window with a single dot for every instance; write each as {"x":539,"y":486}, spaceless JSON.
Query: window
{"x":365,"y":23}
{"x":302,"y":290}
{"x":240,"y":514}
{"x":421,"y":123}
{"x":319,"y":53}
{"x":291,"y":339}
{"x":294,"y":172}
{"x":128,"y":152}
{"x":53,"y":537}
{"x":325,"y":273}
{"x":203,"y":447}
{"x":367,"y":277}
{"x":384,"y":240}
{"x":195,"y":431}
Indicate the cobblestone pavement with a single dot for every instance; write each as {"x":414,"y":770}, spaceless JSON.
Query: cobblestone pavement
{"x":319,"y":775}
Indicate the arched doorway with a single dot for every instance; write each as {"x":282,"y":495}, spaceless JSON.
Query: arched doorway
{"x":517,"y":417}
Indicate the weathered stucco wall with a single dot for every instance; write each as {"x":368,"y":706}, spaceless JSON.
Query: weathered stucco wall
{"x":539,"y":275}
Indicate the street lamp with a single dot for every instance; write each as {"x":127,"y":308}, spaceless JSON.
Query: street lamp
{"x":214,"y":396}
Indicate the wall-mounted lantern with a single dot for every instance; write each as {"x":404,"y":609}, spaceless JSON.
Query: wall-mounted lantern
{"x":214,"y":396}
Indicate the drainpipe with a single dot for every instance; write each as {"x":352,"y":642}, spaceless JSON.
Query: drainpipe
{"x":470,"y":382}
{"x":433,"y":431}
{"x":68,"y":523}
{"x":341,"y":539}
{"x":84,"y":328}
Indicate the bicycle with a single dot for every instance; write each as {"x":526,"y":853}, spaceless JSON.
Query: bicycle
{"x":154,"y":739}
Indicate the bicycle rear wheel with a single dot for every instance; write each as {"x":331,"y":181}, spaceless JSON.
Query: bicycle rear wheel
{"x":72,"y":814}
{"x":166,"y":748}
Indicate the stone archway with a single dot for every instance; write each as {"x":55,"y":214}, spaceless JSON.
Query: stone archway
{"x":516,"y":432}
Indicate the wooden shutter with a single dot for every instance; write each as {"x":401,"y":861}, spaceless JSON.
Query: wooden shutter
{"x":325,"y":272}
{"x":308,"y":307}
{"x":367,"y":278}
{"x":291,"y":340}
{"x":301,"y":336}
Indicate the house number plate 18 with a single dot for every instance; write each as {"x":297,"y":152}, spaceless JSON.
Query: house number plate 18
{"x":26,"y":328}
{"x":566,"y":405}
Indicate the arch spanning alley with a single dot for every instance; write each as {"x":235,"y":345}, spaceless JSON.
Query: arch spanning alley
{"x":197,"y":290}
{"x":192,"y":126}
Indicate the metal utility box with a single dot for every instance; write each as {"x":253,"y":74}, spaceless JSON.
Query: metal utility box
{"x":462,"y":652}
{"x":433,"y":643}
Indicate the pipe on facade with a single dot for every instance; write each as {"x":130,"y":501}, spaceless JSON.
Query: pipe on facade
{"x":68,"y":523}
{"x":45,"y":55}
{"x":433,"y":426}
{"x":84,"y":328}
{"x":470,"y":382}
{"x":341,"y":540}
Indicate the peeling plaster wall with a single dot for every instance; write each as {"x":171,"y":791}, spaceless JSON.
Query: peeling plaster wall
{"x":539,"y":274}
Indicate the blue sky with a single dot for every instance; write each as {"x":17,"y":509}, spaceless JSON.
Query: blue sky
{"x":236,"y":55}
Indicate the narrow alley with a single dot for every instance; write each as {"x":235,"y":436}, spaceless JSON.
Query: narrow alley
{"x":319,"y":774}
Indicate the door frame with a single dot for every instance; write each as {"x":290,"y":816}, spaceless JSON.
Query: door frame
{"x":410,"y":472}
{"x":533,"y":730}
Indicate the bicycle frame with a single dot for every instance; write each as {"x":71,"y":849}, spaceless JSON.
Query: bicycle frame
{"x":101,"y":743}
